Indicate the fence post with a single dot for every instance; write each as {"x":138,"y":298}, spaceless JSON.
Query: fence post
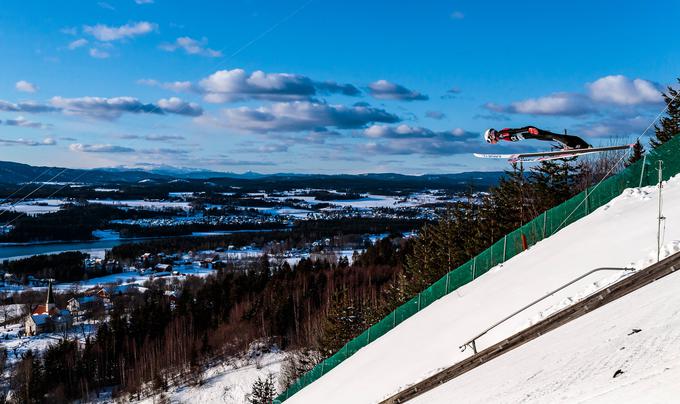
{"x":474,"y":267}
{"x":545,"y":218}
{"x":369,"y":334}
{"x":587,"y":205}
{"x":505,"y":243}
{"x":448,"y":275}
{"x":642,"y":171}
{"x":394,"y":318}
{"x":419,"y":294}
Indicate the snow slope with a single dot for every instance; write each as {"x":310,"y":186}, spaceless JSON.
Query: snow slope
{"x":226,"y":383}
{"x":577,"y":362}
{"x":620,"y":234}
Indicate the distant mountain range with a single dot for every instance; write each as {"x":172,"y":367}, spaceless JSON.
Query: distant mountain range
{"x":17,"y":173}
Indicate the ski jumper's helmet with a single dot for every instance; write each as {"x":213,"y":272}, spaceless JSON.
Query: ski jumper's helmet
{"x":490,"y":135}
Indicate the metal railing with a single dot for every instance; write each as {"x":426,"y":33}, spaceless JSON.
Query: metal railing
{"x":472,"y":342}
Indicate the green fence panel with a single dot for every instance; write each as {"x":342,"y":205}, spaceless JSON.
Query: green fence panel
{"x":644,"y":173}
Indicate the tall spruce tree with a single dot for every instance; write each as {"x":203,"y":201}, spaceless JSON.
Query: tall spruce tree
{"x":637,"y":154}
{"x":669,"y":125}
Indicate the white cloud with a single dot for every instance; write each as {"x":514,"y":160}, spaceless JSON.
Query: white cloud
{"x":400,"y":131}
{"x":22,"y":122}
{"x":571,"y":104}
{"x":99,"y":54}
{"x":48,"y":141}
{"x":191,"y":46}
{"x":144,"y":1}
{"x":100,"y":148}
{"x":112,"y":108}
{"x":237,"y":84}
{"x":385,"y":90}
{"x":621,"y":90}
{"x":175,"y":105}
{"x":25,"y":86}
{"x":302,"y":115}
{"x":106,"y":33}
{"x":457,"y":15}
{"x":78,"y":43}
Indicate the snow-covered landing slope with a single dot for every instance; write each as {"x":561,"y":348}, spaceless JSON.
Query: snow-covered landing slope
{"x":577,"y":362}
{"x":620,"y":234}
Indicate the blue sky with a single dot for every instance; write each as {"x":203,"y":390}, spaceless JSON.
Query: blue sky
{"x":322,"y":86}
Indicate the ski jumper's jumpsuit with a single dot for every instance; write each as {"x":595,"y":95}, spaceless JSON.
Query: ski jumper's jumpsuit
{"x":531,"y":132}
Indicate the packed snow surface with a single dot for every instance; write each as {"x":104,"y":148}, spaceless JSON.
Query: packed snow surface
{"x":638,"y":334}
{"x":619,"y":234}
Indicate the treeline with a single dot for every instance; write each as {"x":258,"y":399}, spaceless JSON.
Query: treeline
{"x":63,"y":267}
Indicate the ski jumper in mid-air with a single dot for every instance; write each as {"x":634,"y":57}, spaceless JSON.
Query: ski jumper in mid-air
{"x":568,"y":142}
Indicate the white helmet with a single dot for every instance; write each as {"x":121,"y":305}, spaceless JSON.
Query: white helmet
{"x":490,"y":135}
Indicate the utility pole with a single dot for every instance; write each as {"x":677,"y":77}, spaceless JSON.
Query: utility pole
{"x":660,"y":218}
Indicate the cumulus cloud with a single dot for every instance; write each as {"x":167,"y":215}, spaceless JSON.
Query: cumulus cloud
{"x":26,"y":106}
{"x":571,"y":104}
{"x":191,"y":47}
{"x":400,"y":131}
{"x":25,"y":123}
{"x":237,"y":85}
{"x":615,"y":126}
{"x":78,"y":43}
{"x":608,"y":91}
{"x":621,"y":90}
{"x":112,"y":108}
{"x":107,"y":33}
{"x":25,"y":86}
{"x":48,"y":141}
{"x":385,"y":90}
{"x":100,"y":148}
{"x":177,"y":106}
{"x":303,"y":115}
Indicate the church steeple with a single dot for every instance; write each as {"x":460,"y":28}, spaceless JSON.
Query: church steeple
{"x":50,"y":298}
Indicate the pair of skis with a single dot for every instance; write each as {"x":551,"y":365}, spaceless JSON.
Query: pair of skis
{"x":551,"y":155}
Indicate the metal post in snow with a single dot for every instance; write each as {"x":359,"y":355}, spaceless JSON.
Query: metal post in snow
{"x":587,"y":207}
{"x":394,"y":319}
{"x":658,"y":230}
{"x":505,"y":243}
{"x":642,"y":171}
{"x":419,"y":294}
{"x":474,"y":267}
{"x":448,"y":275}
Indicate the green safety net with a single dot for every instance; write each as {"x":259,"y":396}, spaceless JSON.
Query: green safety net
{"x":642,"y":173}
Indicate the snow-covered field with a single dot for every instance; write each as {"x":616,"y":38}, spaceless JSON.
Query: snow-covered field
{"x":18,"y":346}
{"x":577,"y":362}
{"x":227,"y":383}
{"x":619,"y":234}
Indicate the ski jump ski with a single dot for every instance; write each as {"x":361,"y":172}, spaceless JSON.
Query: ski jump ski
{"x":551,"y":155}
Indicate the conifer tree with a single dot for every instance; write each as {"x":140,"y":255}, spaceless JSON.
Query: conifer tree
{"x":264,"y":391}
{"x":669,"y":125}
{"x":638,"y":152}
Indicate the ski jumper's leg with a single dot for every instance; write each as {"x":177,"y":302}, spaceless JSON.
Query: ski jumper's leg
{"x":569,"y":142}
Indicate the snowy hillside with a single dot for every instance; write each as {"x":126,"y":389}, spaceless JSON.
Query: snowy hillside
{"x":619,"y":234}
{"x":638,"y":334}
